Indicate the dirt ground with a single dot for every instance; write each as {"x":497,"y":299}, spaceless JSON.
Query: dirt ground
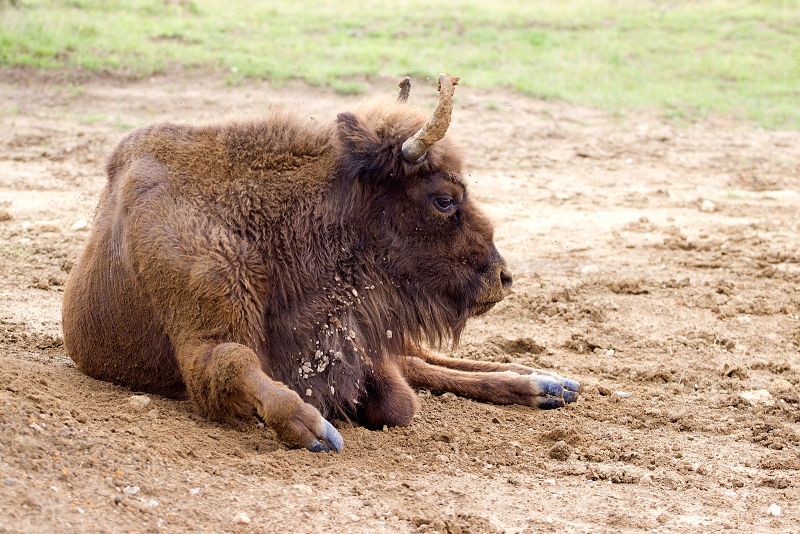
{"x":655,"y":262}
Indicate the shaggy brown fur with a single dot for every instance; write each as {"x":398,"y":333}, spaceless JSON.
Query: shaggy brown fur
{"x":290,"y":268}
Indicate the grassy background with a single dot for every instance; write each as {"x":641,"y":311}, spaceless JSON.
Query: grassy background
{"x":681,"y":58}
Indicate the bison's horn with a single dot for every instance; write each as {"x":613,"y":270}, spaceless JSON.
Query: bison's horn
{"x":415,"y":147}
{"x":405,"y":88}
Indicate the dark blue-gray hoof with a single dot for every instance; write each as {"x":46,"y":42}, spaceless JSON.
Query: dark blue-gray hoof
{"x":330,"y":439}
{"x":551,"y":391}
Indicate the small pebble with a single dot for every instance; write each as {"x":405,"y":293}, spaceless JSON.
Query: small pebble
{"x":756,"y":396}
{"x":139,"y":402}
{"x":389,"y":334}
{"x":610,"y":352}
{"x":303,"y":488}
{"x":130,"y":490}
{"x":241,"y":519}
{"x":708,"y":206}
{"x":194,"y":491}
{"x":590,"y":269}
{"x":79,"y":225}
{"x":623,"y":394}
{"x":774,"y":509}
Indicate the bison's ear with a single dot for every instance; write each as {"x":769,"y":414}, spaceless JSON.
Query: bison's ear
{"x":358,"y":140}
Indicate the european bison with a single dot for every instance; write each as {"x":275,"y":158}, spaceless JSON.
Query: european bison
{"x":293,"y":270}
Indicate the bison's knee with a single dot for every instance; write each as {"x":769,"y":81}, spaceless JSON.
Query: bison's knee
{"x":390,"y":401}
{"x":216,"y":379}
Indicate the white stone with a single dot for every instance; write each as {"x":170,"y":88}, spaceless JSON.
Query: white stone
{"x":194,"y":491}
{"x":590,"y":269}
{"x":303,"y":489}
{"x":130,"y":490}
{"x":79,"y":225}
{"x":756,"y":396}
{"x":708,"y":206}
{"x":774,"y":509}
{"x":139,"y":402}
{"x":241,"y":519}
{"x":623,"y":394}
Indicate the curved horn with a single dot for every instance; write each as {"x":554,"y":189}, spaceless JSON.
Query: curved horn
{"x":405,"y":88}
{"x":416,"y":146}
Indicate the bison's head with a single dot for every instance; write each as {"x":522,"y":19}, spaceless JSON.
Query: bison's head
{"x":423,"y":231}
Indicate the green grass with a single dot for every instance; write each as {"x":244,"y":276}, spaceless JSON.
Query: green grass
{"x":683,"y":59}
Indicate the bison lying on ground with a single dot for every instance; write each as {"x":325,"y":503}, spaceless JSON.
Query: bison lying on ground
{"x":292,"y":270}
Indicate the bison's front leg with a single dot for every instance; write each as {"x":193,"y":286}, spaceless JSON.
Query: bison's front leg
{"x":505,"y":387}
{"x":389,"y":400}
{"x":225,"y":381}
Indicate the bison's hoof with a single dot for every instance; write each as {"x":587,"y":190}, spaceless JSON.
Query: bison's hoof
{"x":329,"y":439}
{"x":553,"y":391}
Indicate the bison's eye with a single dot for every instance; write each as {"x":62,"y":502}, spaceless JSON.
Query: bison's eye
{"x":445,"y":204}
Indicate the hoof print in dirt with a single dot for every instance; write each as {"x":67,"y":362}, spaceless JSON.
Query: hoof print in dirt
{"x":553,"y":391}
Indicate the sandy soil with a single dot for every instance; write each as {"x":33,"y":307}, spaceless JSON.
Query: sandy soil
{"x":655,"y":262}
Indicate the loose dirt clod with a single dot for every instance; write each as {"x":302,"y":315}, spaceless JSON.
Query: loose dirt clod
{"x":560,"y":451}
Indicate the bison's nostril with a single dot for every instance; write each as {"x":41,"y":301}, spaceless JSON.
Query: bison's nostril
{"x":505,"y":278}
